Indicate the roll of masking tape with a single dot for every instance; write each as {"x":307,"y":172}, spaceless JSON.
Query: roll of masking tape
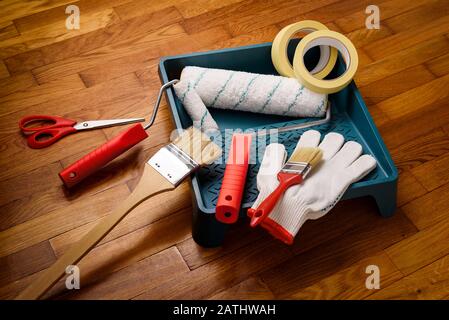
{"x":325,"y":38}
{"x":328,"y":55}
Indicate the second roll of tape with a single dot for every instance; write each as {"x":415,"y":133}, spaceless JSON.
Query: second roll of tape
{"x":328,"y":55}
{"x":329,"y":42}
{"x":336,"y":40}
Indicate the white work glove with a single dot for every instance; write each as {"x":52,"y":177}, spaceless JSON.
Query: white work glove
{"x":341,"y":166}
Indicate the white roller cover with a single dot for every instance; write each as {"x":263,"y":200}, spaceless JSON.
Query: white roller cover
{"x":244,"y":91}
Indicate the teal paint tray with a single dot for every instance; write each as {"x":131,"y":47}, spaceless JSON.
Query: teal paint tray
{"x":349,"y":116}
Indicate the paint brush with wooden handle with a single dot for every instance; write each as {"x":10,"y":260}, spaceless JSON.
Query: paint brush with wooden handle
{"x":163,"y":172}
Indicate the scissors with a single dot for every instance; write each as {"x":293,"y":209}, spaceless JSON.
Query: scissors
{"x":45,"y":135}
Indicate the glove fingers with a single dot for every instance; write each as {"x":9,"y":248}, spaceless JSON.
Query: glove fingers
{"x":350,"y":151}
{"x":331,"y":143}
{"x":310,"y":138}
{"x":360,"y":168}
{"x":273,"y":160}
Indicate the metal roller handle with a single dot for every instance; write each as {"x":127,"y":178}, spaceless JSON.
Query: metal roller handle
{"x":158,"y":102}
{"x":304,"y":125}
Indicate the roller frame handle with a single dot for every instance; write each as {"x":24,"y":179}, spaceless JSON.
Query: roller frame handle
{"x":233,"y":185}
{"x":98,"y":158}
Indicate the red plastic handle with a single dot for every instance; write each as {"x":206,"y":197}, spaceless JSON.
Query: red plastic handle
{"x":56,"y":122}
{"x":286,"y":180}
{"x":96,"y":159}
{"x":231,"y":192}
{"x":45,"y":137}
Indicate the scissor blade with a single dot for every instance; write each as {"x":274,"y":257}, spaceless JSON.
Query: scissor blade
{"x":97,"y":124}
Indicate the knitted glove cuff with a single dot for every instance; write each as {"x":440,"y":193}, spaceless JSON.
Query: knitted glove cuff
{"x":291,"y":214}
{"x":277,"y":231}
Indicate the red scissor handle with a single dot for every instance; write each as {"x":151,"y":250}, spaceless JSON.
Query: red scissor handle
{"x":56,"y":122}
{"x":45,"y":137}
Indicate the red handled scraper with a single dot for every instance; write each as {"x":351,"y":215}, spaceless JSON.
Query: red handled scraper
{"x":231,"y":192}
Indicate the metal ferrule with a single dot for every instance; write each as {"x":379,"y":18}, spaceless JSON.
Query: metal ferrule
{"x":302,"y":168}
{"x":173,"y":163}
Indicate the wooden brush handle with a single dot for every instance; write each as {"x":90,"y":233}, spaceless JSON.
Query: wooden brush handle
{"x":150,"y":184}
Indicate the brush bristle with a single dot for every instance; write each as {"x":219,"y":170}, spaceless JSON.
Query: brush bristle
{"x":198,"y":146}
{"x":308,"y":155}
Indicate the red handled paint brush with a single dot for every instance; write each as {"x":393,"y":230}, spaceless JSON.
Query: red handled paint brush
{"x":293,"y":172}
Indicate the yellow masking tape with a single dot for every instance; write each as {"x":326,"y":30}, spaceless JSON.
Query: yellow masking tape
{"x":328,"y":38}
{"x":328,"y":55}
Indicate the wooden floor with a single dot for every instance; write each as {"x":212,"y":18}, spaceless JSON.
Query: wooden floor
{"x":108,"y":69}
